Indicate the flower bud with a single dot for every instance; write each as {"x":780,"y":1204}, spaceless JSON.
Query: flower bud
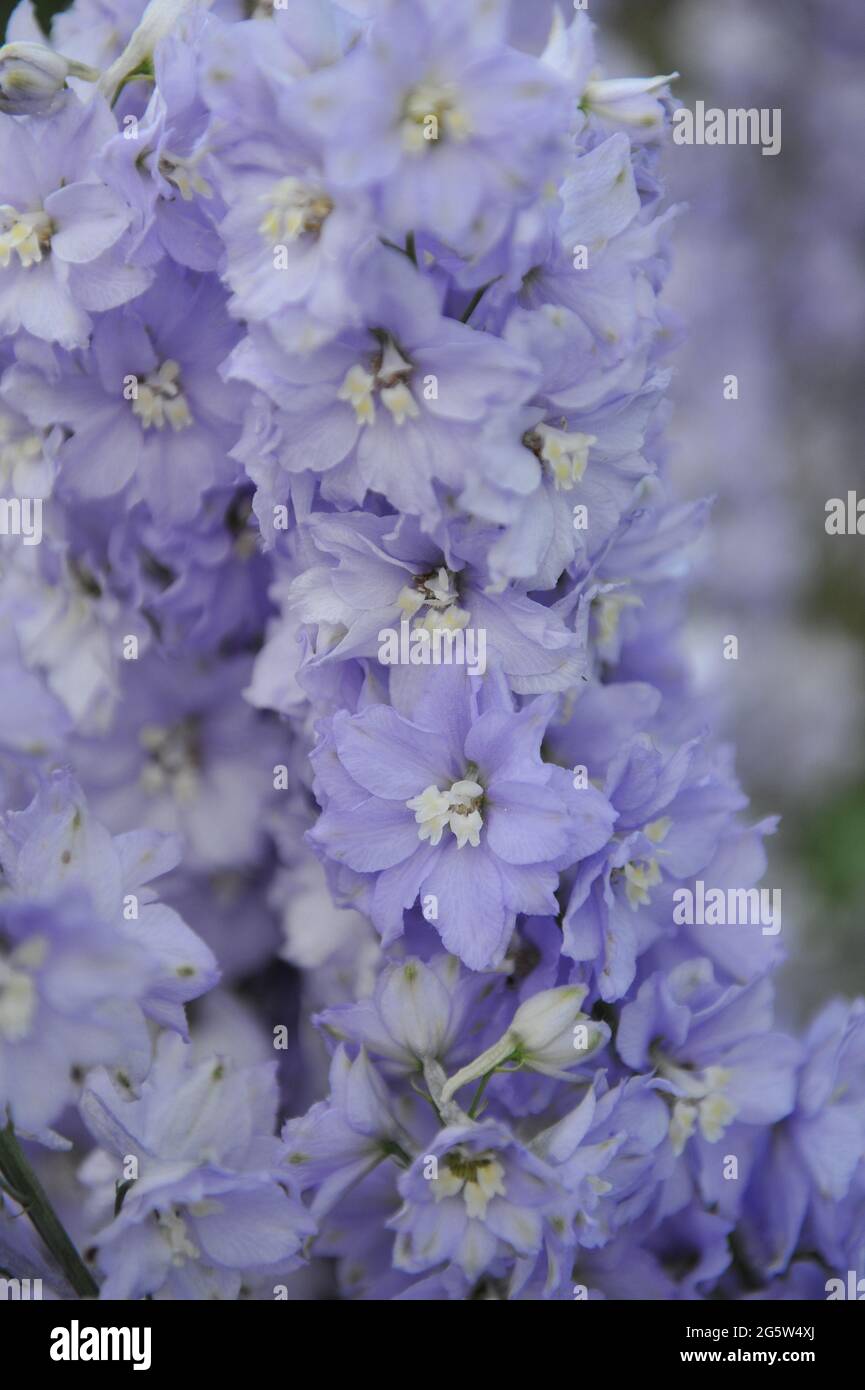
{"x":542,"y":1021}
{"x":415,"y":1007}
{"x":552,"y":1035}
{"x":542,"y":1036}
{"x":160,"y":18}
{"x":32,"y":76}
{"x":630,"y":101}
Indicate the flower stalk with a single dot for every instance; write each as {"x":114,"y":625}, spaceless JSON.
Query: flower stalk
{"x":22,"y":1184}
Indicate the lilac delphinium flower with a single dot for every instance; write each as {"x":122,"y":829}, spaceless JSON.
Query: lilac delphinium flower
{"x":400,"y":369}
{"x":89,"y":954}
{"x":57,"y":1020}
{"x":487,"y":1198}
{"x":294,"y":239}
{"x":458,"y":807}
{"x":148,"y":414}
{"x":158,"y":163}
{"x":183,"y":760}
{"x":452,"y":128}
{"x":477,"y":1194}
{"x":390,"y":407}
{"x":94,"y":31}
{"x":60,"y":225}
{"x":27,"y":456}
{"x":674,"y":802}
{"x":339,"y":1141}
{"x":417,"y":1011}
{"x":67,"y":629}
{"x":808,"y":1176}
{"x":714,"y":1048}
{"x":202,"y":584}
{"x":204,"y":1204}
{"x":380,"y":572}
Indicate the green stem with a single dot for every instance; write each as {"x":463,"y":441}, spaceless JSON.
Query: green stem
{"x":409,"y":250}
{"x":425,"y":1096}
{"x":396,"y":1151}
{"x":476,"y":299}
{"x":120,"y":1192}
{"x":505,"y":1050}
{"x":144,"y":72}
{"x":83,"y":70}
{"x":22,"y":1180}
{"x":476,"y":1099}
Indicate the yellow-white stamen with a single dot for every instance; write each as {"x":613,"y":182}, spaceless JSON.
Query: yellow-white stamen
{"x":17,"y":1002}
{"x":608,"y":609}
{"x":431,"y":112}
{"x":565,"y":454}
{"x":25,"y":234}
{"x":175,"y":1233}
{"x":295,"y":209}
{"x":704,"y":1103}
{"x":458,"y":808}
{"x":658,"y":830}
{"x":160,"y":400}
{"x":389,"y":377}
{"x":400,"y":402}
{"x":357,"y":388}
{"x":478,"y":1178}
{"x":183,"y":175}
{"x":18,"y":452}
{"x":172,"y":765}
{"x":438,"y":593}
{"x":639,"y":878}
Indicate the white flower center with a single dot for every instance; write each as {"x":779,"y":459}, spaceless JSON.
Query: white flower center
{"x":184,"y":176}
{"x":478,"y":1177}
{"x":159,"y":399}
{"x":18,"y":453}
{"x":565,"y":455}
{"x":174,"y":760}
{"x":18,"y":997}
{"x":640,"y":876}
{"x":27,"y":234}
{"x":438,"y":593}
{"x":458,"y":808}
{"x":608,"y":609}
{"x":295,"y":209}
{"x":430,"y":111}
{"x":388,"y":378}
{"x":704,"y":1103}
{"x":175,"y":1233}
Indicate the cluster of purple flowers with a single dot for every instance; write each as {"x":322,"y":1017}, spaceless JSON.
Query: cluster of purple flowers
{"x":323,"y":322}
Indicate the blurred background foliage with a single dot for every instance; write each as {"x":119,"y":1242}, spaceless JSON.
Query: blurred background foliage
{"x":770,"y":264}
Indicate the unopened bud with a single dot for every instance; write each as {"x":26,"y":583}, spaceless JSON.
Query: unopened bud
{"x":160,"y":18}
{"x":631,"y":101}
{"x":544,"y":1031}
{"x":32,"y":76}
{"x":540,"y":1037}
{"x":546,"y":1019}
